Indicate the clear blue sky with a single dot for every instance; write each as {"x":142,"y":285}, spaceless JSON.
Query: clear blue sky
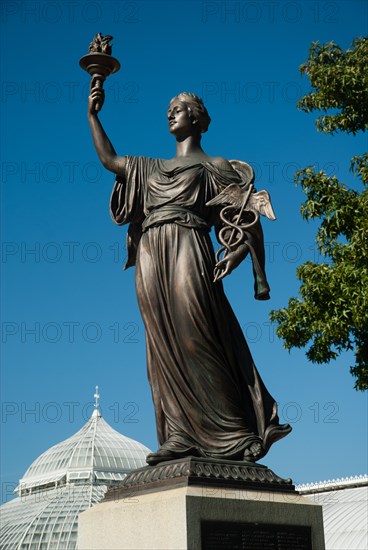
{"x":243,"y":59}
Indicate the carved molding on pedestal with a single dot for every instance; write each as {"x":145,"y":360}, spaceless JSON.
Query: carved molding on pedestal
{"x":200,"y":471}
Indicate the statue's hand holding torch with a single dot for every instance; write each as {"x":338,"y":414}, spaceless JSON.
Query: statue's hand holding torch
{"x":99,"y":63}
{"x":97,"y":95}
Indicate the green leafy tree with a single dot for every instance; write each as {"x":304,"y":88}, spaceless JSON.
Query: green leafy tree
{"x":331,"y":315}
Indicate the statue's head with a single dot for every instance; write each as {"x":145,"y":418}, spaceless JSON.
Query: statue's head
{"x":196,"y":109}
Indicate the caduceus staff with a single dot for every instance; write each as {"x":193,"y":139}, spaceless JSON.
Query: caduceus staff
{"x":246,"y":202}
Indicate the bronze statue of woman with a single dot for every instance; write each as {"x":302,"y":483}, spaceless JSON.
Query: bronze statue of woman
{"x":208,"y":396}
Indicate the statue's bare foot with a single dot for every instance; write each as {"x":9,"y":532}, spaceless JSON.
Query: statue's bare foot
{"x":254,"y":452}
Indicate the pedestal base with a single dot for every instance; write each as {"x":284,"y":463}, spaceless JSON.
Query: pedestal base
{"x":182,"y":515}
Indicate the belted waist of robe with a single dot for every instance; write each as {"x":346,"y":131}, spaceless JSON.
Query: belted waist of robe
{"x":170,"y":213}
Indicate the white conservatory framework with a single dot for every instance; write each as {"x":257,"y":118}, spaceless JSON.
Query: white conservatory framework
{"x":345,"y":511}
{"x":63,"y":482}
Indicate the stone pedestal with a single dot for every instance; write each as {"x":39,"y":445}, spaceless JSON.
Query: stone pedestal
{"x":213,"y":513}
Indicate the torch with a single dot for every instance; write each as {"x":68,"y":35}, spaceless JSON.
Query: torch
{"x":99,"y":62}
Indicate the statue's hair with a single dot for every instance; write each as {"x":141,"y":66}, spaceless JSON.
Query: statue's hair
{"x":196,"y":109}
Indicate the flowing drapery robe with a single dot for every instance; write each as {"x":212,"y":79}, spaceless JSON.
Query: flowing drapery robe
{"x":208,"y":396}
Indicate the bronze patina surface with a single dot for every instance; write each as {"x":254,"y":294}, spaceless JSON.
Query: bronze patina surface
{"x":210,"y":401}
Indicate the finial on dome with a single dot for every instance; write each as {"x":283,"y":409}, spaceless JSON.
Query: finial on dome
{"x":97,"y":411}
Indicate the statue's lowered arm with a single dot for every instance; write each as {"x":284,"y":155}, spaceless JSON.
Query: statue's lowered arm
{"x":239,"y":215}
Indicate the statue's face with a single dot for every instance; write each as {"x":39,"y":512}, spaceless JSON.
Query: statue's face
{"x":179,"y":119}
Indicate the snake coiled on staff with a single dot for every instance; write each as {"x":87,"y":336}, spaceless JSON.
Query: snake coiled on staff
{"x":227,"y":215}
{"x":237,"y":202}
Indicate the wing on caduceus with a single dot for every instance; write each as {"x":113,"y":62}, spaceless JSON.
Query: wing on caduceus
{"x":261,"y":202}
{"x":235,"y":196}
{"x":232,"y":195}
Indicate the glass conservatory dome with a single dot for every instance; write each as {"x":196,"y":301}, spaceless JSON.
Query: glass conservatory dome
{"x":63,"y":482}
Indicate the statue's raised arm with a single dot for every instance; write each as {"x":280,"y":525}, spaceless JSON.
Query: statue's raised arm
{"x":99,"y":63}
